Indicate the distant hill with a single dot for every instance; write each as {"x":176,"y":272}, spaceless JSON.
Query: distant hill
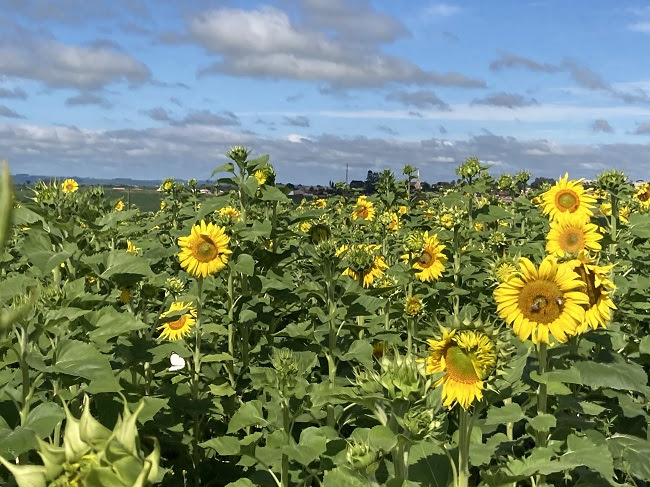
{"x":146,"y":183}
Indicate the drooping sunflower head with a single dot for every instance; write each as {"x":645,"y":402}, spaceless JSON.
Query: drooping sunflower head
{"x":319,"y":233}
{"x":568,"y":197}
{"x":364,"y":209}
{"x":430,"y":262}
{"x":467,"y":357}
{"x":363,"y":261}
{"x":178,"y":328}
{"x":69,"y":186}
{"x":541,"y":301}
{"x":205,"y":251}
{"x":572,"y":235}
{"x":599,"y":310}
{"x":642,"y":195}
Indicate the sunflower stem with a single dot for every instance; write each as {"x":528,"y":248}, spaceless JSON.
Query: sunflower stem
{"x":331,"y":353}
{"x":613,"y":224}
{"x":196,"y":451}
{"x":464,"y":425}
{"x":231,"y":329}
{"x":541,"y":437}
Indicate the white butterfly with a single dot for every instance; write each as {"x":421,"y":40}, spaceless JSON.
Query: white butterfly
{"x":177,"y":362}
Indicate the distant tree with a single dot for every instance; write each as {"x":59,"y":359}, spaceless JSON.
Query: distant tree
{"x":371,"y":180}
{"x":538,"y":182}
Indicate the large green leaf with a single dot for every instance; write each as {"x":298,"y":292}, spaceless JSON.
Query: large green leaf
{"x":633,"y":453}
{"x":80,"y":359}
{"x":122,"y":262}
{"x":43,"y":418}
{"x":249,"y":414}
{"x":109,"y":323}
{"x":621,"y":376}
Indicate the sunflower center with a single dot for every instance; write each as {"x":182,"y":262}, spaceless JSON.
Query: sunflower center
{"x":589,"y":278}
{"x":541,"y":301}
{"x":426,"y":259}
{"x":362,"y":212}
{"x":178,"y":324}
{"x":572,"y":240}
{"x":644,"y":196}
{"x":459,"y":365}
{"x":567,"y":200}
{"x":205,"y":250}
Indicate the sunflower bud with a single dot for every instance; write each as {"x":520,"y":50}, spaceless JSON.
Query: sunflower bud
{"x":613,"y":181}
{"x":238,"y":154}
{"x":92,"y":451}
{"x":414,"y":242}
{"x":360,"y":455}
{"x":470,"y":168}
{"x":505,"y":182}
{"x":174,"y":285}
{"x":286,"y":366}
{"x":423,"y":423}
{"x":413,"y":306}
{"x":400,"y":376}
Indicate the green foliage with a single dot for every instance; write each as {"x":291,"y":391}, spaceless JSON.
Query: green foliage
{"x":294,"y":373}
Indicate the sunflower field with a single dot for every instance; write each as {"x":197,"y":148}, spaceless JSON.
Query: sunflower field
{"x":485,"y":335}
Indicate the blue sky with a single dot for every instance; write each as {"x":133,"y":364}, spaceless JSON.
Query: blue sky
{"x":150,"y":89}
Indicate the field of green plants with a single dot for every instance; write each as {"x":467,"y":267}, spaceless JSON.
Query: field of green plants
{"x":489,"y":335}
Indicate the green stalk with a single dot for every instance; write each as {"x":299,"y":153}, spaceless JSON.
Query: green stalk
{"x":24,"y":368}
{"x":196,"y":451}
{"x":542,"y":390}
{"x":331,"y":353}
{"x":231,"y":330}
{"x":541,"y":437}
{"x":613,"y":224}
{"x":464,"y":424}
{"x":456,"y":298}
{"x":286,"y":420}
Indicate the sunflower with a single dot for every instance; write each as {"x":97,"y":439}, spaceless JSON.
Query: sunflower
{"x":177,"y":329}
{"x":69,"y":186}
{"x":431,"y":262}
{"x":536,"y":302}
{"x":599,"y":310}
{"x":567,"y":197}
{"x":261,"y":176}
{"x":365,"y":209}
{"x":643,"y":195}
{"x":363,"y":259}
{"x":467,"y":357}
{"x":319,"y":203}
{"x":205,"y":251}
{"x":229,"y":211}
{"x":571,"y":236}
{"x":119,"y":206}
{"x":402,"y":210}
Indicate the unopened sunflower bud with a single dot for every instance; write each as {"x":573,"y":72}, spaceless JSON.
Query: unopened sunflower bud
{"x":413,"y":306}
{"x":238,"y":154}
{"x":613,"y":181}
{"x":174,"y":285}
{"x":360,"y":454}
{"x":414,"y":242}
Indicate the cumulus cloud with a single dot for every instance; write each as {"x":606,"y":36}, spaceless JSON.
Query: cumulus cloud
{"x":582,"y":75}
{"x":180,"y":151}
{"x":602,"y":125}
{"x":509,"y":60}
{"x":503,"y":99}
{"x":15,"y":93}
{"x":5,"y":111}
{"x":62,"y":65}
{"x":158,"y":114}
{"x":277,"y":47}
{"x":387,"y":130}
{"x":643,"y":129}
{"x":419,"y":99}
{"x":299,"y":121}
{"x":206,"y":117}
{"x":87,"y":99}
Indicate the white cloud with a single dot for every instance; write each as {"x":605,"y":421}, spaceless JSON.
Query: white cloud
{"x":275,"y":46}
{"x":640,"y":27}
{"x":62,"y":65}
{"x":442,"y":10}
